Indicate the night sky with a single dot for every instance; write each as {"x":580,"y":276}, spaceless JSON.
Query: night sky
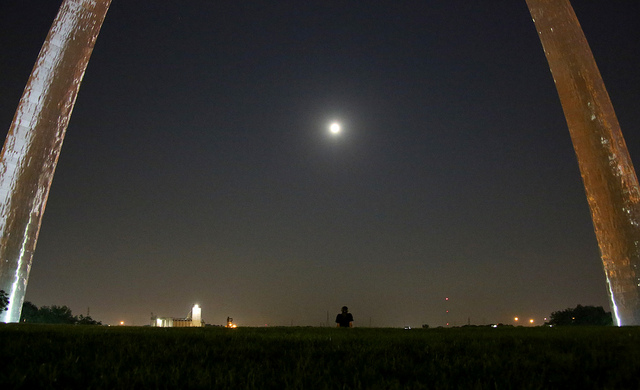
{"x":198,"y":166}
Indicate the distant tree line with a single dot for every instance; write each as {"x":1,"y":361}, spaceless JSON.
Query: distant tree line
{"x":581,"y":315}
{"x":53,"y":315}
{"x":4,"y":300}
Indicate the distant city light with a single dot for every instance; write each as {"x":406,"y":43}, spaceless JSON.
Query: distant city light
{"x":230,"y":323}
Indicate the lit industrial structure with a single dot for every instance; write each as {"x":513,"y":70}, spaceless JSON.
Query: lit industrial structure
{"x":193,"y":320}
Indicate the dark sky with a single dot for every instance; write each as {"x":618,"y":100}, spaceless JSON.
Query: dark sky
{"x":198,"y":168}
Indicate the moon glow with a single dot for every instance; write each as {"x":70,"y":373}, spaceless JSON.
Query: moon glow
{"x":334,"y":128}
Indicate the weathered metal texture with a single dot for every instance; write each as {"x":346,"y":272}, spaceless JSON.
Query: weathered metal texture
{"x":33,"y":144}
{"x":607,"y":171}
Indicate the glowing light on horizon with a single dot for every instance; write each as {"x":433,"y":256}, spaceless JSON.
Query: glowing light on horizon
{"x":196,"y":315}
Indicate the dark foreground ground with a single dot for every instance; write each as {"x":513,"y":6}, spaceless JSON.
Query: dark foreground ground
{"x":62,"y":356}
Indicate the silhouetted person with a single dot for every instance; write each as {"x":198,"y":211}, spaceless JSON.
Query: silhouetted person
{"x":344,"y":319}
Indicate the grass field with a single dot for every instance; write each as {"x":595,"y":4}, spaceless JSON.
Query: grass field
{"x":67,"y":356}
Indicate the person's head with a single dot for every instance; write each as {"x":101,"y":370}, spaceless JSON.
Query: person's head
{"x":345,"y":309}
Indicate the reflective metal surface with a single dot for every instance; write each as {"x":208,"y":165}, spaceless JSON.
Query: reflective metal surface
{"x":33,"y":144}
{"x":607,"y":171}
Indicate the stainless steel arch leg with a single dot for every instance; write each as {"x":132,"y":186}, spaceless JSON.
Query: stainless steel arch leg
{"x":33,"y":144}
{"x":607,"y":171}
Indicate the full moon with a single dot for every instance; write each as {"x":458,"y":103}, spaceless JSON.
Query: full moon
{"x":334,"y":128}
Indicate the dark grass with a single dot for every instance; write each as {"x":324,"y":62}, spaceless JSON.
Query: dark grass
{"x":67,"y":356}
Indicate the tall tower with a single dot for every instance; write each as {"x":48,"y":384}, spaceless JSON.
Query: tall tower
{"x":33,"y":144}
{"x":607,"y":172}
{"x":196,"y":316}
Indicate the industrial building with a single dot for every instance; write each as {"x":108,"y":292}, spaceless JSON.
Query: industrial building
{"x":194,"y":319}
